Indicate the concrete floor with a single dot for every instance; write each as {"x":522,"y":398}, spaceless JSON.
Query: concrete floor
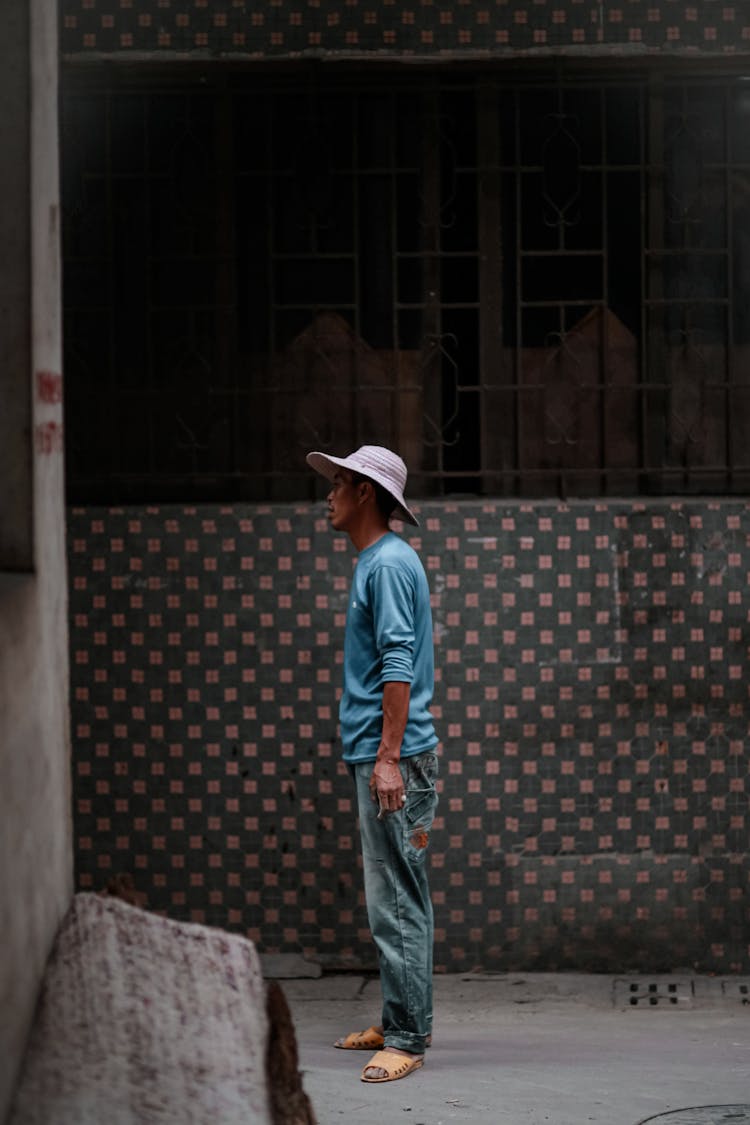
{"x":528,"y":1049}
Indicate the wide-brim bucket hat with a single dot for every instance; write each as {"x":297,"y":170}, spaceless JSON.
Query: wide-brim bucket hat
{"x":377,"y":464}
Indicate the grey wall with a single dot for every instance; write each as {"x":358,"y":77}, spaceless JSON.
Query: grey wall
{"x":35,"y":835}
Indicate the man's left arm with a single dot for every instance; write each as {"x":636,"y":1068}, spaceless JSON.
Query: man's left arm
{"x":393,"y":612}
{"x":386,"y":783}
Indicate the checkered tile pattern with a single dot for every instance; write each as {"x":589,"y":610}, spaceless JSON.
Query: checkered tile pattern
{"x":294,"y":28}
{"x":592,"y":703}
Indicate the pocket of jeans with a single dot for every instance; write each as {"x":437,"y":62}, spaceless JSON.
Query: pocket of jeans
{"x":421,"y":796}
{"x":419,"y":814}
{"x":420,"y":806}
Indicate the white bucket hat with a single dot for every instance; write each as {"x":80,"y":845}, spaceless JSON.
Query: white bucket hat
{"x":377,"y":464}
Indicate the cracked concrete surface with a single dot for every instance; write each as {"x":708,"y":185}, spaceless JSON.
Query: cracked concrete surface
{"x":535,"y":1049}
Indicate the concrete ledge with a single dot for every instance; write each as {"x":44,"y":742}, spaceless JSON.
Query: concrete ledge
{"x":288,"y":966}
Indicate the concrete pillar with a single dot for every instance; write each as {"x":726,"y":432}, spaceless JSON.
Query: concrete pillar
{"x":35,"y":819}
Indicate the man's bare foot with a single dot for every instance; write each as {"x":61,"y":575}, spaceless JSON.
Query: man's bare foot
{"x":373,"y":1072}
{"x":368,"y":1040}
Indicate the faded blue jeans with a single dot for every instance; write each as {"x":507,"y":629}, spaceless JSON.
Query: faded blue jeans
{"x":399,"y":908}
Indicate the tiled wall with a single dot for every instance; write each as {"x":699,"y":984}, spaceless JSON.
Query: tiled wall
{"x":592,"y":701}
{"x":435,"y":28}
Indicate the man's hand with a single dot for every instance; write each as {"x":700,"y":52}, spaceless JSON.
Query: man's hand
{"x":387,"y":786}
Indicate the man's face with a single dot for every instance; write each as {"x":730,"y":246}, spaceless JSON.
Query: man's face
{"x":342,"y":501}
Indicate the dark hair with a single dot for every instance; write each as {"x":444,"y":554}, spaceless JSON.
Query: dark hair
{"x":385,"y":502}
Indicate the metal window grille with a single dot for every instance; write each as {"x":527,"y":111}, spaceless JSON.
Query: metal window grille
{"x":537,"y":286}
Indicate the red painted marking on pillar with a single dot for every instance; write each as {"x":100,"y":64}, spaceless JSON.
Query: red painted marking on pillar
{"x":49,"y":387}
{"x":49,"y":438}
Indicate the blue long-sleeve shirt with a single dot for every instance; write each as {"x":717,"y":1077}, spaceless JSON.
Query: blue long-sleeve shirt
{"x":388,"y":638}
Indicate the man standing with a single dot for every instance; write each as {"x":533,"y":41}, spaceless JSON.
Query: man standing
{"x":389,"y":745}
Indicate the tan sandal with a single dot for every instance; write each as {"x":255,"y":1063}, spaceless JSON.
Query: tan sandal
{"x":395,"y":1066}
{"x":371,"y":1039}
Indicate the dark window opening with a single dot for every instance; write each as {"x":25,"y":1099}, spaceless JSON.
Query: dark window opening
{"x":528,"y":288}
